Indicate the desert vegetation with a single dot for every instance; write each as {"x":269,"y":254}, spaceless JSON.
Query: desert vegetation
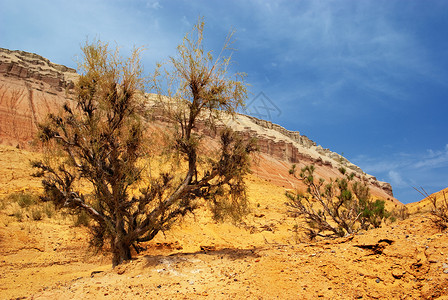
{"x":152,"y":175}
{"x":335,"y":209}
{"x":101,"y":141}
{"x":438,"y":209}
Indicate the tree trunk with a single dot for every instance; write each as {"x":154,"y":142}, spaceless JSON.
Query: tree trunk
{"x":121,"y":252}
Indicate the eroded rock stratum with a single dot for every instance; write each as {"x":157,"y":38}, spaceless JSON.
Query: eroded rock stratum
{"x":31,"y":87}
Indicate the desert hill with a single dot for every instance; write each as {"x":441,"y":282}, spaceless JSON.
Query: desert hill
{"x":265,"y":257}
{"x":31,"y":87}
{"x":425,"y":204}
{"x":45,"y":254}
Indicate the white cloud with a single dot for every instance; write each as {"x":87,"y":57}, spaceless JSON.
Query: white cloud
{"x":185,"y":22}
{"x":358,"y":40}
{"x":153,"y":4}
{"x":396,"y":179}
{"x":404,"y":170}
{"x":434,"y":159}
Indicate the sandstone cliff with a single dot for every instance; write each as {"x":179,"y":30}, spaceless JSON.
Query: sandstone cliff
{"x":31,"y":87}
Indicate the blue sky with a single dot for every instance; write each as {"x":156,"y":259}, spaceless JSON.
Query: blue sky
{"x":368,"y":79}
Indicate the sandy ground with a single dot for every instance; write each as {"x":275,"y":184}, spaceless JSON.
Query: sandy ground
{"x":261,"y":258}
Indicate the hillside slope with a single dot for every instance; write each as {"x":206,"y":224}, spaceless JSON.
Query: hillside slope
{"x":31,"y":87}
{"x":262,"y":258}
{"x":425,"y":205}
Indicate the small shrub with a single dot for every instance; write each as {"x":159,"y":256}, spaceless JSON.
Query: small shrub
{"x":401,"y":213}
{"x":49,"y":209}
{"x":373,"y":214}
{"x":343,"y":206}
{"x":82,"y":219}
{"x":439,"y":209}
{"x":3,"y":203}
{"x":292,"y":171}
{"x":18,"y":214}
{"x":37,"y":214}
{"x":23,"y":199}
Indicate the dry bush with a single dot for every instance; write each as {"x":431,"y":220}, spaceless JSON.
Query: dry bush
{"x":37,"y":213}
{"x":401,"y":213}
{"x":23,"y":205}
{"x":439,"y":208}
{"x":335,"y":209}
{"x":103,"y":141}
{"x":23,"y":199}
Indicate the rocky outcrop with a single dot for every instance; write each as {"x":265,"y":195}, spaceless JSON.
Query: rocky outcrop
{"x":37,"y":69}
{"x":293,"y":148}
{"x":31,"y":86}
{"x":293,"y":135}
{"x":304,"y":141}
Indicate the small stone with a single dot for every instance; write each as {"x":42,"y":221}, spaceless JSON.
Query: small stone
{"x":377,"y":280}
{"x":445,"y":271}
{"x":120,"y":270}
{"x":398,"y":273}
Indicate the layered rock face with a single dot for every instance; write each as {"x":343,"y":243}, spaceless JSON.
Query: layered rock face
{"x":290,"y":147}
{"x":31,"y":87}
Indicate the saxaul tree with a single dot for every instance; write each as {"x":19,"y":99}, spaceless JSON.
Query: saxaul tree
{"x":336,"y":208}
{"x":192,"y":87}
{"x":101,"y":140}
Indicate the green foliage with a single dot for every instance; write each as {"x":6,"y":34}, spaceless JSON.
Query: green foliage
{"x":374,"y":213}
{"x":292,"y":171}
{"x":336,"y":208}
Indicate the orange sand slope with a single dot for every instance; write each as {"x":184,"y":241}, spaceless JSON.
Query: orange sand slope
{"x":262,"y":258}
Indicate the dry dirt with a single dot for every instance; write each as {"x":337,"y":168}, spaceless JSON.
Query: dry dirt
{"x":262,"y":258}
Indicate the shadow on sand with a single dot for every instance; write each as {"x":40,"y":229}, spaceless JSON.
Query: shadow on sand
{"x":225,"y":253}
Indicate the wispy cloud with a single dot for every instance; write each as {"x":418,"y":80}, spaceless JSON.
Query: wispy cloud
{"x":357,"y":41}
{"x":396,"y":179}
{"x":434,"y":159}
{"x":404,"y":170}
{"x":153,"y":4}
{"x":349,"y":71}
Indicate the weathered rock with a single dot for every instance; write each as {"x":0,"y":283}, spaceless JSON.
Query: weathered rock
{"x":31,"y":86}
